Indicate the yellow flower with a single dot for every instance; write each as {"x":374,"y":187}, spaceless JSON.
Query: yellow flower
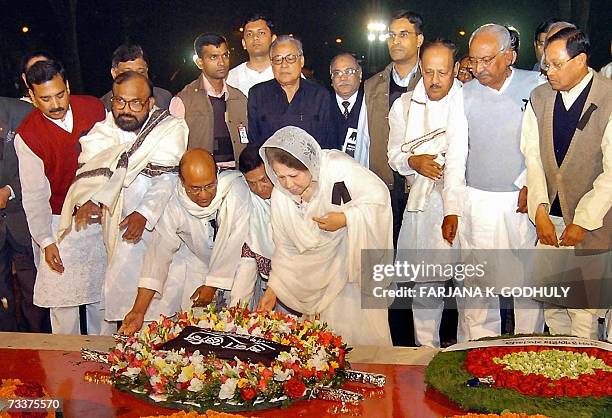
{"x":220,"y":326}
{"x":242,"y":383}
{"x":334,"y":364}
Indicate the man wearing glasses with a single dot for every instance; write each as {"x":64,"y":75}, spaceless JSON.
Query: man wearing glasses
{"x":129,"y":164}
{"x":350,"y":113}
{"x":493,"y":169}
{"x":196,"y":246}
{"x":567,"y":143}
{"x":288,"y":99}
{"x":214,"y":111}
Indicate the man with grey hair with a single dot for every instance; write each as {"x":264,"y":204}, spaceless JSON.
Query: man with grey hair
{"x":288,"y":99}
{"x":350,"y":113}
{"x":489,"y":177}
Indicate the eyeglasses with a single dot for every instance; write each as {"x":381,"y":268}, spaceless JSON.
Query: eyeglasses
{"x":290,"y":59}
{"x":486,"y":61}
{"x":135,"y":105}
{"x":402,"y":35}
{"x":215,"y":57}
{"x":349,"y":72}
{"x":196,"y":190}
{"x":554,"y":67}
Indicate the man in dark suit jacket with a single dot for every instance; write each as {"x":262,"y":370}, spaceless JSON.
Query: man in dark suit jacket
{"x":15,"y":240}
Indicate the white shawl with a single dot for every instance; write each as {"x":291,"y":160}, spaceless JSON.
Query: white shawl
{"x":421,"y":138}
{"x":260,"y":231}
{"x":108,"y":165}
{"x":310,"y":267}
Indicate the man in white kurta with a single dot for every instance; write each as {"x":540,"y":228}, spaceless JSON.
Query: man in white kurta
{"x":70,"y":273}
{"x":130,"y":164}
{"x":417,"y":149}
{"x":493,"y":169}
{"x":254,"y":268}
{"x":196,"y":246}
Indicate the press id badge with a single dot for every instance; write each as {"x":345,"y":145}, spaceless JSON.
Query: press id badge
{"x":242,"y":132}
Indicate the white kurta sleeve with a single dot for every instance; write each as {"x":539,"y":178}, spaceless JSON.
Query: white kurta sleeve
{"x":595,"y":204}
{"x":453,"y":192}
{"x":398,"y":160}
{"x":536,"y":177}
{"x":164,"y":243}
{"x":244,"y":281}
{"x":36,"y":192}
{"x":156,"y":198}
{"x":227,"y":252}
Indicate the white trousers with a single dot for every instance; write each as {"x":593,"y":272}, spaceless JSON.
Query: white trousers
{"x":427,"y":316}
{"x":65,"y":320}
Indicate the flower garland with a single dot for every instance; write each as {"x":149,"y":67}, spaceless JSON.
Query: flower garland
{"x":542,"y":371}
{"x":207,"y":414}
{"x":188,"y":380}
{"x":15,"y":388}
{"x":448,"y":373}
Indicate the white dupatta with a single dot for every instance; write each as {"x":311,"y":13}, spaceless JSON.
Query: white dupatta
{"x":423,"y":138}
{"x":310,"y":267}
{"x":108,"y":165}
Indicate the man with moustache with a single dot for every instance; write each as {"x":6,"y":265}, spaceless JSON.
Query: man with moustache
{"x":417,"y":146}
{"x":485,"y":126}
{"x":254,"y":269}
{"x":567,"y":144}
{"x":70,"y":274}
{"x":257,"y":36}
{"x":350,"y":114}
{"x":196,"y":245}
{"x":215,"y":112}
{"x":132,"y":58}
{"x":129,"y":165}
{"x":289,"y":99}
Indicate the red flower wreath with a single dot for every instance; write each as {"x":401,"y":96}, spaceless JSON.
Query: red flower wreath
{"x":480,"y":363}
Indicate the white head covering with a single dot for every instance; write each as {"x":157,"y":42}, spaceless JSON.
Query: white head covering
{"x":298,"y":143}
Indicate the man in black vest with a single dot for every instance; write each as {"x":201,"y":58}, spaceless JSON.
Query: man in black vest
{"x":15,"y":240}
{"x":348,"y":110}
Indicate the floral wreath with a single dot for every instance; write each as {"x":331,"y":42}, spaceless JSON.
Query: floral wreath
{"x":192,"y":380}
{"x":566,"y":382}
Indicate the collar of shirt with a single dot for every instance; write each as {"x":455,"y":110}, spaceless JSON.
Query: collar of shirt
{"x":570,"y":96}
{"x":210,"y":89}
{"x":403,"y":82}
{"x":251,"y":73}
{"x":506,"y":83}
{"x":351,"y":101}
{"x":67,"y":123}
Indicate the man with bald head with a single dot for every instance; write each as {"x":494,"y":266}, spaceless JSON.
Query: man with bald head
{"x":493,"y":213}
{"x":129,"y":169}
{"x":196,"y":246}
{"x":349,"y":112}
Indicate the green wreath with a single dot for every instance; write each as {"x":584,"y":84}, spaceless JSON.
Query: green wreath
{"x":445,"y":373}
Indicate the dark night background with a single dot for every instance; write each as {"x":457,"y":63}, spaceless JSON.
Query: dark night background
{"x":166,"y":30}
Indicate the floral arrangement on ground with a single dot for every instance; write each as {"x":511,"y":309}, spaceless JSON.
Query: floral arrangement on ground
{"x":563,"y":382}
{"x":200,"y":381}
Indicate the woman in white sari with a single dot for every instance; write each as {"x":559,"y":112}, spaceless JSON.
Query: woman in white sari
{"x":325,"y":209}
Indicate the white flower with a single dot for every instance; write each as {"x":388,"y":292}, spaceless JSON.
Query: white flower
{"x":228,"y":389}
{"x":131,"y":372}
{"x":282,"y":375}
{"x":195,"y":385}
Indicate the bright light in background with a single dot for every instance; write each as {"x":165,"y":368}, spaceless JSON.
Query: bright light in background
{"x":25,"y":29}
{"x":462,"y":33}
{"x":338,"y":40}
{"x":241,"y":29}
{"x":377,"y":30}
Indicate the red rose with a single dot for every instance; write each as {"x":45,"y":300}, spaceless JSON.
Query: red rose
{"x":29,"y":390}
{"x":295,"y":388}
{"x":248,"y":393}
